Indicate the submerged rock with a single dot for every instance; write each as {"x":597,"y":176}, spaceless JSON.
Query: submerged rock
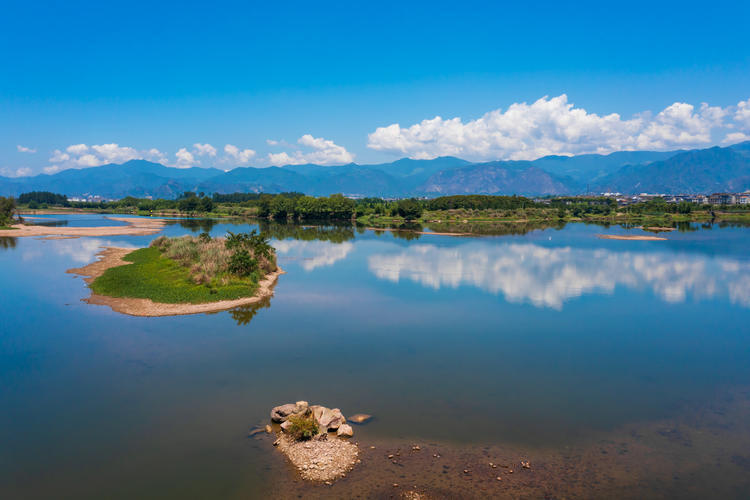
{"x":360,"y":418}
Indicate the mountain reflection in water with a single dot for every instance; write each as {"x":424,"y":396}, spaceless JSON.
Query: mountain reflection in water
{"x":547,"y":277}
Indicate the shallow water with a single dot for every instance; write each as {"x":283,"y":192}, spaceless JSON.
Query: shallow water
{"x":543,"y":342}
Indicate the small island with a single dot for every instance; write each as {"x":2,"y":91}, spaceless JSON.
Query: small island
{"x":185,"y":275}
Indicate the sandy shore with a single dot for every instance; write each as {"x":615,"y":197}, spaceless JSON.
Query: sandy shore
{"x":135,"y":227}
{"x":633,"y":237}
{"x":113,"y":257}
{"x":417,"y":232}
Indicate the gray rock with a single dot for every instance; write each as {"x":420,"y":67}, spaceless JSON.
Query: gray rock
{"x":281,"y":413}
{"x":345,"y":430}
{"x":328,"y":419}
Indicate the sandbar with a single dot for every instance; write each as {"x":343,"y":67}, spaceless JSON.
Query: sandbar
{"x":113,"y":257}
{"x":632,"y":237}
{"x":135,"y":227}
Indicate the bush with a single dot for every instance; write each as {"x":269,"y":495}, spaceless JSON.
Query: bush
{"x":302,"y":427}
{"x":7,"y":207}
{"x":241,"y":263}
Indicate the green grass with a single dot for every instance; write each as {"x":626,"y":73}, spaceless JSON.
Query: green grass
{"x":153,"y":276}
{"x":7,"y":227}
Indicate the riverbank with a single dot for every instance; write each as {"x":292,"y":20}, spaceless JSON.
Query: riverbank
{"x":112,"y":257}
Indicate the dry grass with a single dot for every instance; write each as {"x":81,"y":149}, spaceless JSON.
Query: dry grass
{"x":207,"y":260}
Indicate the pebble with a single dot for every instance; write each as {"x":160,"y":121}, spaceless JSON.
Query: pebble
{"x":499,"y":478}
{"x":416,"y":448}
{"x":390,"y":456}
{"x":466,"y":471}
{"x":395,"y":485}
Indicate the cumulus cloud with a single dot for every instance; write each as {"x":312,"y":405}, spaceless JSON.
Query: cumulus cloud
{"x":83,"y":156}
{"x":742,"y":115}
{"x":319,"y":150}
{"x":551,"y":126}
{"x":735,"y":137}
{"x":238,"y":156}
{"x":204,"y":149}
{"x":15,"y":172}
{"x":185,"y":159}
{"x":24,"y":149}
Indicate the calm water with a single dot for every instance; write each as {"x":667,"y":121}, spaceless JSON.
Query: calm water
{"x":536,"y":340}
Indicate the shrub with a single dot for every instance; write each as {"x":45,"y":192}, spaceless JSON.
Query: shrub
{"x":241,"y":263}
{"x":204,"y":237}
{"x":302,"y":427}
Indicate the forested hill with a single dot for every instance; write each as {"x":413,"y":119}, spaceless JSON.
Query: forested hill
{"x":693,"y":171}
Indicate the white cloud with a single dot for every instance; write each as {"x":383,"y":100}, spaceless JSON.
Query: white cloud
{"x":550,"y":126}
{"x":324,"y":152}
{"x":204,"y":149}
{"x":77,"y":149}
{"x":24,"y":149}
{"x":185,"y":158}
{"x":742,"y":115}
{"x":17,"y":172}
{"x":238,"y":156}
{"x":735,"y":137}
{"x":84,"y":156}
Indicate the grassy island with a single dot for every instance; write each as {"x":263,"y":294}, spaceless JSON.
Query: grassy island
{"x":191,"y":270}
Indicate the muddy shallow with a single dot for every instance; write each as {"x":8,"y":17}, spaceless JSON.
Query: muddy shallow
{"x":704,"y":455}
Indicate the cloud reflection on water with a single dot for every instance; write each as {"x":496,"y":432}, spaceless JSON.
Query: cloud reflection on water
{"x":547,"y":277}
{"x":315,"y":253}
{"x":80,"y":250}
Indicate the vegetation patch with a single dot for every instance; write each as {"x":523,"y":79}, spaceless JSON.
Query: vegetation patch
{"x":302,"y":427}
{"x":191,"y":270}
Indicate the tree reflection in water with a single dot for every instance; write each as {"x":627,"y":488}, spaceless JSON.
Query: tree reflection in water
{"x":8,"y":242}
{"x":243,"y":315}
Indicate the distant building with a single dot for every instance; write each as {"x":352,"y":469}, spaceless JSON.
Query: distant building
{"x":743,"y":199}
{"x":722,"y":199}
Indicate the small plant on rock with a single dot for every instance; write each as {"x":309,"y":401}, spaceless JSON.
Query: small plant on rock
{"x":302,"y":427}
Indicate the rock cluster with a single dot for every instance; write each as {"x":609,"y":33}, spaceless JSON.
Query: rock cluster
{"x":320,"y":458}
{"x":328,"y":420}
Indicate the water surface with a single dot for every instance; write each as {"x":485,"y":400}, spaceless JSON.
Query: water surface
{"x":539,"y":341}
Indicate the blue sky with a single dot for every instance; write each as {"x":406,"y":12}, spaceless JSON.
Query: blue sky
{"x":82,"y":83}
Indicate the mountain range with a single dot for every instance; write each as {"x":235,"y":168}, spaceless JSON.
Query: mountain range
{"x":673,"y":172}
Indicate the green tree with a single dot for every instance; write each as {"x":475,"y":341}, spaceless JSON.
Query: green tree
{"x":409,"y":209}
{"x":205,"y":204}
{"x":188,"y":205}
{"x":7,"y":208}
